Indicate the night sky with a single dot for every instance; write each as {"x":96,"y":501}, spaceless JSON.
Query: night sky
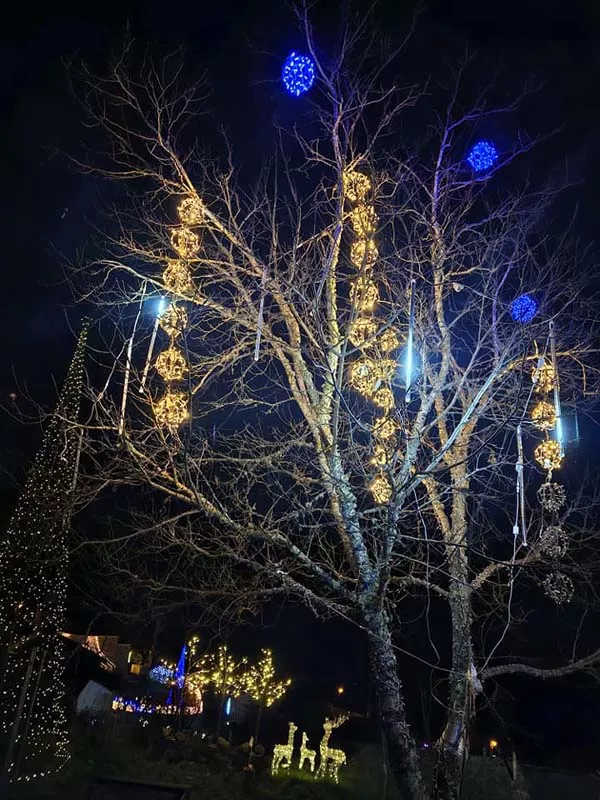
{"x":49,"y":210}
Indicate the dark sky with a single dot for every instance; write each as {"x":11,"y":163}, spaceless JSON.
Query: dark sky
{"x":48,"y":206}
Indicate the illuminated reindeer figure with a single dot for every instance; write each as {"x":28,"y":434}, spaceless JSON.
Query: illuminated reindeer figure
{"x":331,"y":759}
{"x":282,"y":753}
{"x":306,"y":754}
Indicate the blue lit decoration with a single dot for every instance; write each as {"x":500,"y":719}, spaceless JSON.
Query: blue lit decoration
{"x":179,"y":676}
{"x":298,"y":73}
{"x":482,"y":156}
{"x":524,"y":308}
{"x":161,"y":674}
{"x":228,"y":707}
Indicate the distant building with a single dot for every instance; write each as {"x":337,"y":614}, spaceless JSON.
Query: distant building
{"x":115,"y":657}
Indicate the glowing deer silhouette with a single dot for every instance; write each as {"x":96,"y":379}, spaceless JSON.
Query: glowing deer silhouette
{"x":306,"y":754}
{"x":331,"y":759}
{"x":282,"y":753}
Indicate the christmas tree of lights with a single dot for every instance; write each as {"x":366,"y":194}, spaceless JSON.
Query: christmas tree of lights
{"x":33,"y":585}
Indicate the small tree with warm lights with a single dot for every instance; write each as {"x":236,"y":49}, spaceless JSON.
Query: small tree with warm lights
{"x":223,"y":673}
{"x":263,"y":685}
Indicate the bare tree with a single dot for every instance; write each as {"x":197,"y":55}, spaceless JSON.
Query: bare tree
{"x":338,"y":412}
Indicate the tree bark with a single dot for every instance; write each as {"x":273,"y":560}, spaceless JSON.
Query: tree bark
{"x":402,"y":750}
{"x":452,"y":749}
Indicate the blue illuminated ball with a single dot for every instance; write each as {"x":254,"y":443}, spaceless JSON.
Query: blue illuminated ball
{"x":524,"y":308}
{"x":482,"y":156}
{"x":298,"y":73}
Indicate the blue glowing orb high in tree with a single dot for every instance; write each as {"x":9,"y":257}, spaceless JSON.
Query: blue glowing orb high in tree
{"x":298,"y":73}
{"x":482,"y":156}
{"x":524,"y":308}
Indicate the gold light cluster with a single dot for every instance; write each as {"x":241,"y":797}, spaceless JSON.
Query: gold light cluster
{"x":548,"y":454}
{"x":261,"y":682}
{"x":172,"y":409}
{"x":220,"y":670}
{"x":370,"y":375}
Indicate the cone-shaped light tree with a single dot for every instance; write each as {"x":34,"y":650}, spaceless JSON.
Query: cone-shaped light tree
{"x":33,"y":582}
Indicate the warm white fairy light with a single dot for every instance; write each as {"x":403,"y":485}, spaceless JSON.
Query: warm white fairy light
{"x":388,"y":341}
{"x":173,"y":320}
{"x":362,"y":331}
{"x":364,"y":294}
{"x":548,"y":454}
{"x":177,"y":277}
{"x":261,"y":682}
{"x":364,"y":375}
{"x":33,"y":588}
{"x":384,"y":398}
{"x":382,"y":454}
{"x":283,"y":753}
{"x":171,"y":365}
{"x":331,"y":758}
{"x":381,"y":488}
{"x":364,"y":221}
{"x":543,"y":415}
{"x":185,"y":242}
{"x":364,"y":253}
{"x":543,"y":377}
{"x":172,"y":409}
{"x":357,"y":185}
{"x":384,"y":427}
{"x":191,"y":211}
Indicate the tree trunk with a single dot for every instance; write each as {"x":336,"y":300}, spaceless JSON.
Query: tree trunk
{"x":452,"y":749}
{"x":404,"y":759}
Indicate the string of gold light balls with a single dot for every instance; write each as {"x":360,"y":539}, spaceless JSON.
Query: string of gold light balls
{"x":371,"y":373}
{"x":172,"y":409}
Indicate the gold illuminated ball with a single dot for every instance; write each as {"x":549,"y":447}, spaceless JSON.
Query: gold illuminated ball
{"x":173,"y":320}
{"x":386,"y":367}
{"x":177,"y":277}
{"x":364,"y":293}
{"x":543,"y":415}
{"x":364,"y":376}
{"x":384,"y":398}
{"x":191,"y":210}
{"x":388,"y":341}
{"x":384,"y":427}
{"x":362,"y":330}
{"x":381,"y":454}
{"x":364,"y":253}
{"x":171,"y":365}
{"x":548,"y":455}
{"x":172,"y":410}
{"x":364,"y":221}
{"x":543,"y":378}
{"x":381,"y":488}
{"x":356,"y":185}
{"x":185,"y":242}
